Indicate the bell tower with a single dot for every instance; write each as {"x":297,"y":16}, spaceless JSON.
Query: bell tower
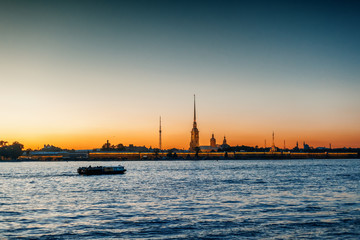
{"x":212,"y":141}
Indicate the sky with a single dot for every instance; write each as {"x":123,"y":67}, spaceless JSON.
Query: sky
{"x":77,"y":73}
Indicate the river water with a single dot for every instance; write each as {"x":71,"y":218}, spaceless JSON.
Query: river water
{"x":258,"y":199}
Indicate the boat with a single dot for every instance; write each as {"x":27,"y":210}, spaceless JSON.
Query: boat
{"x":99,"y":170}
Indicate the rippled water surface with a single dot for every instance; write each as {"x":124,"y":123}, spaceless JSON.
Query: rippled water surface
{"x":308,"y":199}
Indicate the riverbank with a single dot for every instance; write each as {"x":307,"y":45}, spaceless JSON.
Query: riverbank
{"x":131,"y":156}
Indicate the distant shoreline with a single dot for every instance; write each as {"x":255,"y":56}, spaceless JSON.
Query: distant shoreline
{"x":184,"y":156}
{"x":172,"y":160}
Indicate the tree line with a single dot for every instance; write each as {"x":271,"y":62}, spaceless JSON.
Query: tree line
{"x":12,"y":151}
{"x":109,"y":147}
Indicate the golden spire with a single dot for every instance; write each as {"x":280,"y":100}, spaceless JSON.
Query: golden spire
{"x":194,"y":109}
{"x":194,"y":143}
{"x":160,"y":135}
{"x":194,"y":124}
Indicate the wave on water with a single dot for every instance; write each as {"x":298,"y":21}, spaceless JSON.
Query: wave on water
{"x":317,"y":199}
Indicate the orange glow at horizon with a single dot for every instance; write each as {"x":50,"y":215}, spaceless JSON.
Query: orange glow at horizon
{"x":172,"y":138}
{"x":74,"y":76}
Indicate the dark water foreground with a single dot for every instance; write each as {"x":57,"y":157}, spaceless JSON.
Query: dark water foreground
{"x":289,"y":199}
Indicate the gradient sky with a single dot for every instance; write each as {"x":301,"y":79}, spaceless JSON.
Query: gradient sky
{"x":74,"y":74}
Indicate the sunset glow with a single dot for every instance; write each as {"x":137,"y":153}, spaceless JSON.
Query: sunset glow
{"x":75,"y":77}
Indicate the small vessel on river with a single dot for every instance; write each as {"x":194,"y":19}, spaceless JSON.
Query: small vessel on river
{"x":99,"y":170}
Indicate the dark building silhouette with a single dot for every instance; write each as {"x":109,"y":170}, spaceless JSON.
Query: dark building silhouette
{"x":212,"y":141}
{"x":194,"y":143}
{"x":224,"y":145}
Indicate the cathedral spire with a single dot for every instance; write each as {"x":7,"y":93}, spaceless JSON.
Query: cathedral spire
{"x":194,"y":110}
{"x":160,"y":135}
{"x":194,"y":123}
{"x":194,"y":143}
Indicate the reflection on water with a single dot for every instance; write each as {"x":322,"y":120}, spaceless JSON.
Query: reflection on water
{"x":190,"y":199}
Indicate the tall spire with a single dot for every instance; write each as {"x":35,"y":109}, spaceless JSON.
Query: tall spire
{"x":194,"y":110}
{"x":160,"y":135}
{"x":194,"y":123}
{"x":194,"y":143}
{"x":273,"y":138}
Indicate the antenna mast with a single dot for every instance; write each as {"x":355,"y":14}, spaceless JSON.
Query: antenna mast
{"x":273,"y":149}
